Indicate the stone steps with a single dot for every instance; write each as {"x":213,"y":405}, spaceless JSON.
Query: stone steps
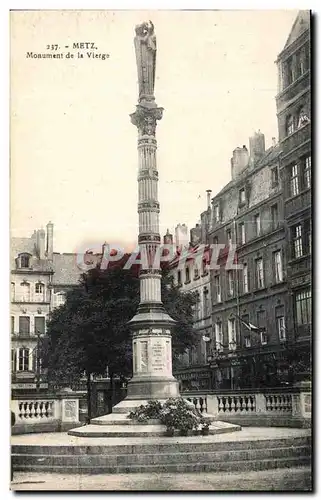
{"x":239,"y":466}
{"x":179,"y":456}
{"x":161,"y":445}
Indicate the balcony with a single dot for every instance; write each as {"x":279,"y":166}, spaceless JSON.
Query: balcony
{"x":298,"y":137}
{"x":20,"y":298}
{"x":297,"y":203}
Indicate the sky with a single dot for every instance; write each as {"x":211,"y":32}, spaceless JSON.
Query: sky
{"x":73,"y":150}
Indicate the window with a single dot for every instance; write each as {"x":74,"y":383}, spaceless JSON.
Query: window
{"x":303,"y":307}
{"x":39,"y":288}
{"x":229,"y":237}
{"x":219,"y":336}
{"x":257,"y":223}
{"x":13,"y":360}
{"x":231,"y":334}
{"x":12,"y":324}
{"x":307,"y":172}
{"x":245,"y":279}
{"x":196,"y":273}
{"x":206,"y":302}
{"x":187,"y":277}
{"x":275,"y":176}
{"x":24,"y":292}
{"x":261,"y":319}
{"x":278,"y":271}
{"x":217,"y":286}
{"x":13,"y":287}
{"x":179,"y":278}
{"x":289,"y":123}
{"x":242,"y":196}
{"x":216,"y":213}
{"x":297,"y":241}
{"x":264,"y":339}
{"x":308,"y":237}
{"x":294,"y":181}
{"x":230,"y":283}
{"x":274,"y":216}
{"x":39,"y":324}
{"x":215,"y":240}
{"x":247,"y":341}
{"x":24,"y":325}
{"x":24,"y":261}
{"x":242,"y":233}
{"x":23,"y":359}
{"x":302,"y":65}
{"x":259,"y":273}
{"x":60,"y":298}
{"x":280,"y":323}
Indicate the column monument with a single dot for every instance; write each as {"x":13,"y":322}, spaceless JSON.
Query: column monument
{"x":151,"y":326}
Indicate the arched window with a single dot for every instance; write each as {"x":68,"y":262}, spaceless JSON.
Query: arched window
{"x":13,"y":289}
{"x":289,"y":125}
{"x":187,"y":276}
{"x":39,"y":291}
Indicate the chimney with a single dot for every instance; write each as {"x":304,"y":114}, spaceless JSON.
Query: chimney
{"x":168,"y":238}
{"x":208,"y":193}
{"x":41,"y":243}
{"x":50,"y":240}
{"x":257,"y":146}
{"x":239,"y":161}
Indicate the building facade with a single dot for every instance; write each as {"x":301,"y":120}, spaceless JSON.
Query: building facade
{"x":264,"y":213}
{"x":40,"y":279}
{"x":249,"y":288}
{"x":294,"y":122}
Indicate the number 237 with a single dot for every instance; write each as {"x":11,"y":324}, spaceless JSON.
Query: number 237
{"x":52,"y":47}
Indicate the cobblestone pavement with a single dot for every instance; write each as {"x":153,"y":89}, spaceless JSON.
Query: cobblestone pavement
{"x":294,"y":479}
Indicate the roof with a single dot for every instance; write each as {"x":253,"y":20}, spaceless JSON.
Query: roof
{"x":269,"y":157}
{"x":301,"y":24}
{"x":20,"y":245}
{"x":67,"y":271}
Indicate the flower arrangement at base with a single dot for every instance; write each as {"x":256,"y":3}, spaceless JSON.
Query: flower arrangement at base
{"x":144,"y":413}
{"x":177,"y":413}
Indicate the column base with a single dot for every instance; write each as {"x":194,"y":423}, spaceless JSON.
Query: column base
{"x":152,"y":388}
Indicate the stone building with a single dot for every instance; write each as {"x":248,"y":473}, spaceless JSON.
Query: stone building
{"x":39,"y":280}
{"x":247,"y":217}
{"x":31,"y":299}
{"x":294,"y":113}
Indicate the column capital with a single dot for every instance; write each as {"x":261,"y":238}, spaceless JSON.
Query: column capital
{"x":145,"y":118}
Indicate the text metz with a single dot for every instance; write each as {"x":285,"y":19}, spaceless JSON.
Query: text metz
{"x":83,"y":45}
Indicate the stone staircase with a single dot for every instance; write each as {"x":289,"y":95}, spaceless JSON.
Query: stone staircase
{"x":176,"y":454}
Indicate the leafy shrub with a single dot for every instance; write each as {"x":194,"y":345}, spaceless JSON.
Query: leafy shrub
{"x":146,"y":412}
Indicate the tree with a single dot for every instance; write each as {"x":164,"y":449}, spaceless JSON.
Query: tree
{"x":90,"y":331}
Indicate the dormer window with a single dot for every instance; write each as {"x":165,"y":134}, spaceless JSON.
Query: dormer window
{"x":25,"y":261}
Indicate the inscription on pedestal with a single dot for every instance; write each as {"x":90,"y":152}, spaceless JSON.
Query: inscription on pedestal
{"x":144,"y":356}
{"x":158,"y":357}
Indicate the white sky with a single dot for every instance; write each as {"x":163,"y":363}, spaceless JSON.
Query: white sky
{"x":73,"y":148}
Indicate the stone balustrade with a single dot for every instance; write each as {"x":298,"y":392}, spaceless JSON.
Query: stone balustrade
{"x":46,"y":413}
{"x":288,"y":407}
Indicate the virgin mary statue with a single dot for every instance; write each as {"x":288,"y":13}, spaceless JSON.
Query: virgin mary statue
{"x":145,"y":48}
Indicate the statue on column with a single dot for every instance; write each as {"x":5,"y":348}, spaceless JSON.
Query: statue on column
{"x":145,"y":48}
